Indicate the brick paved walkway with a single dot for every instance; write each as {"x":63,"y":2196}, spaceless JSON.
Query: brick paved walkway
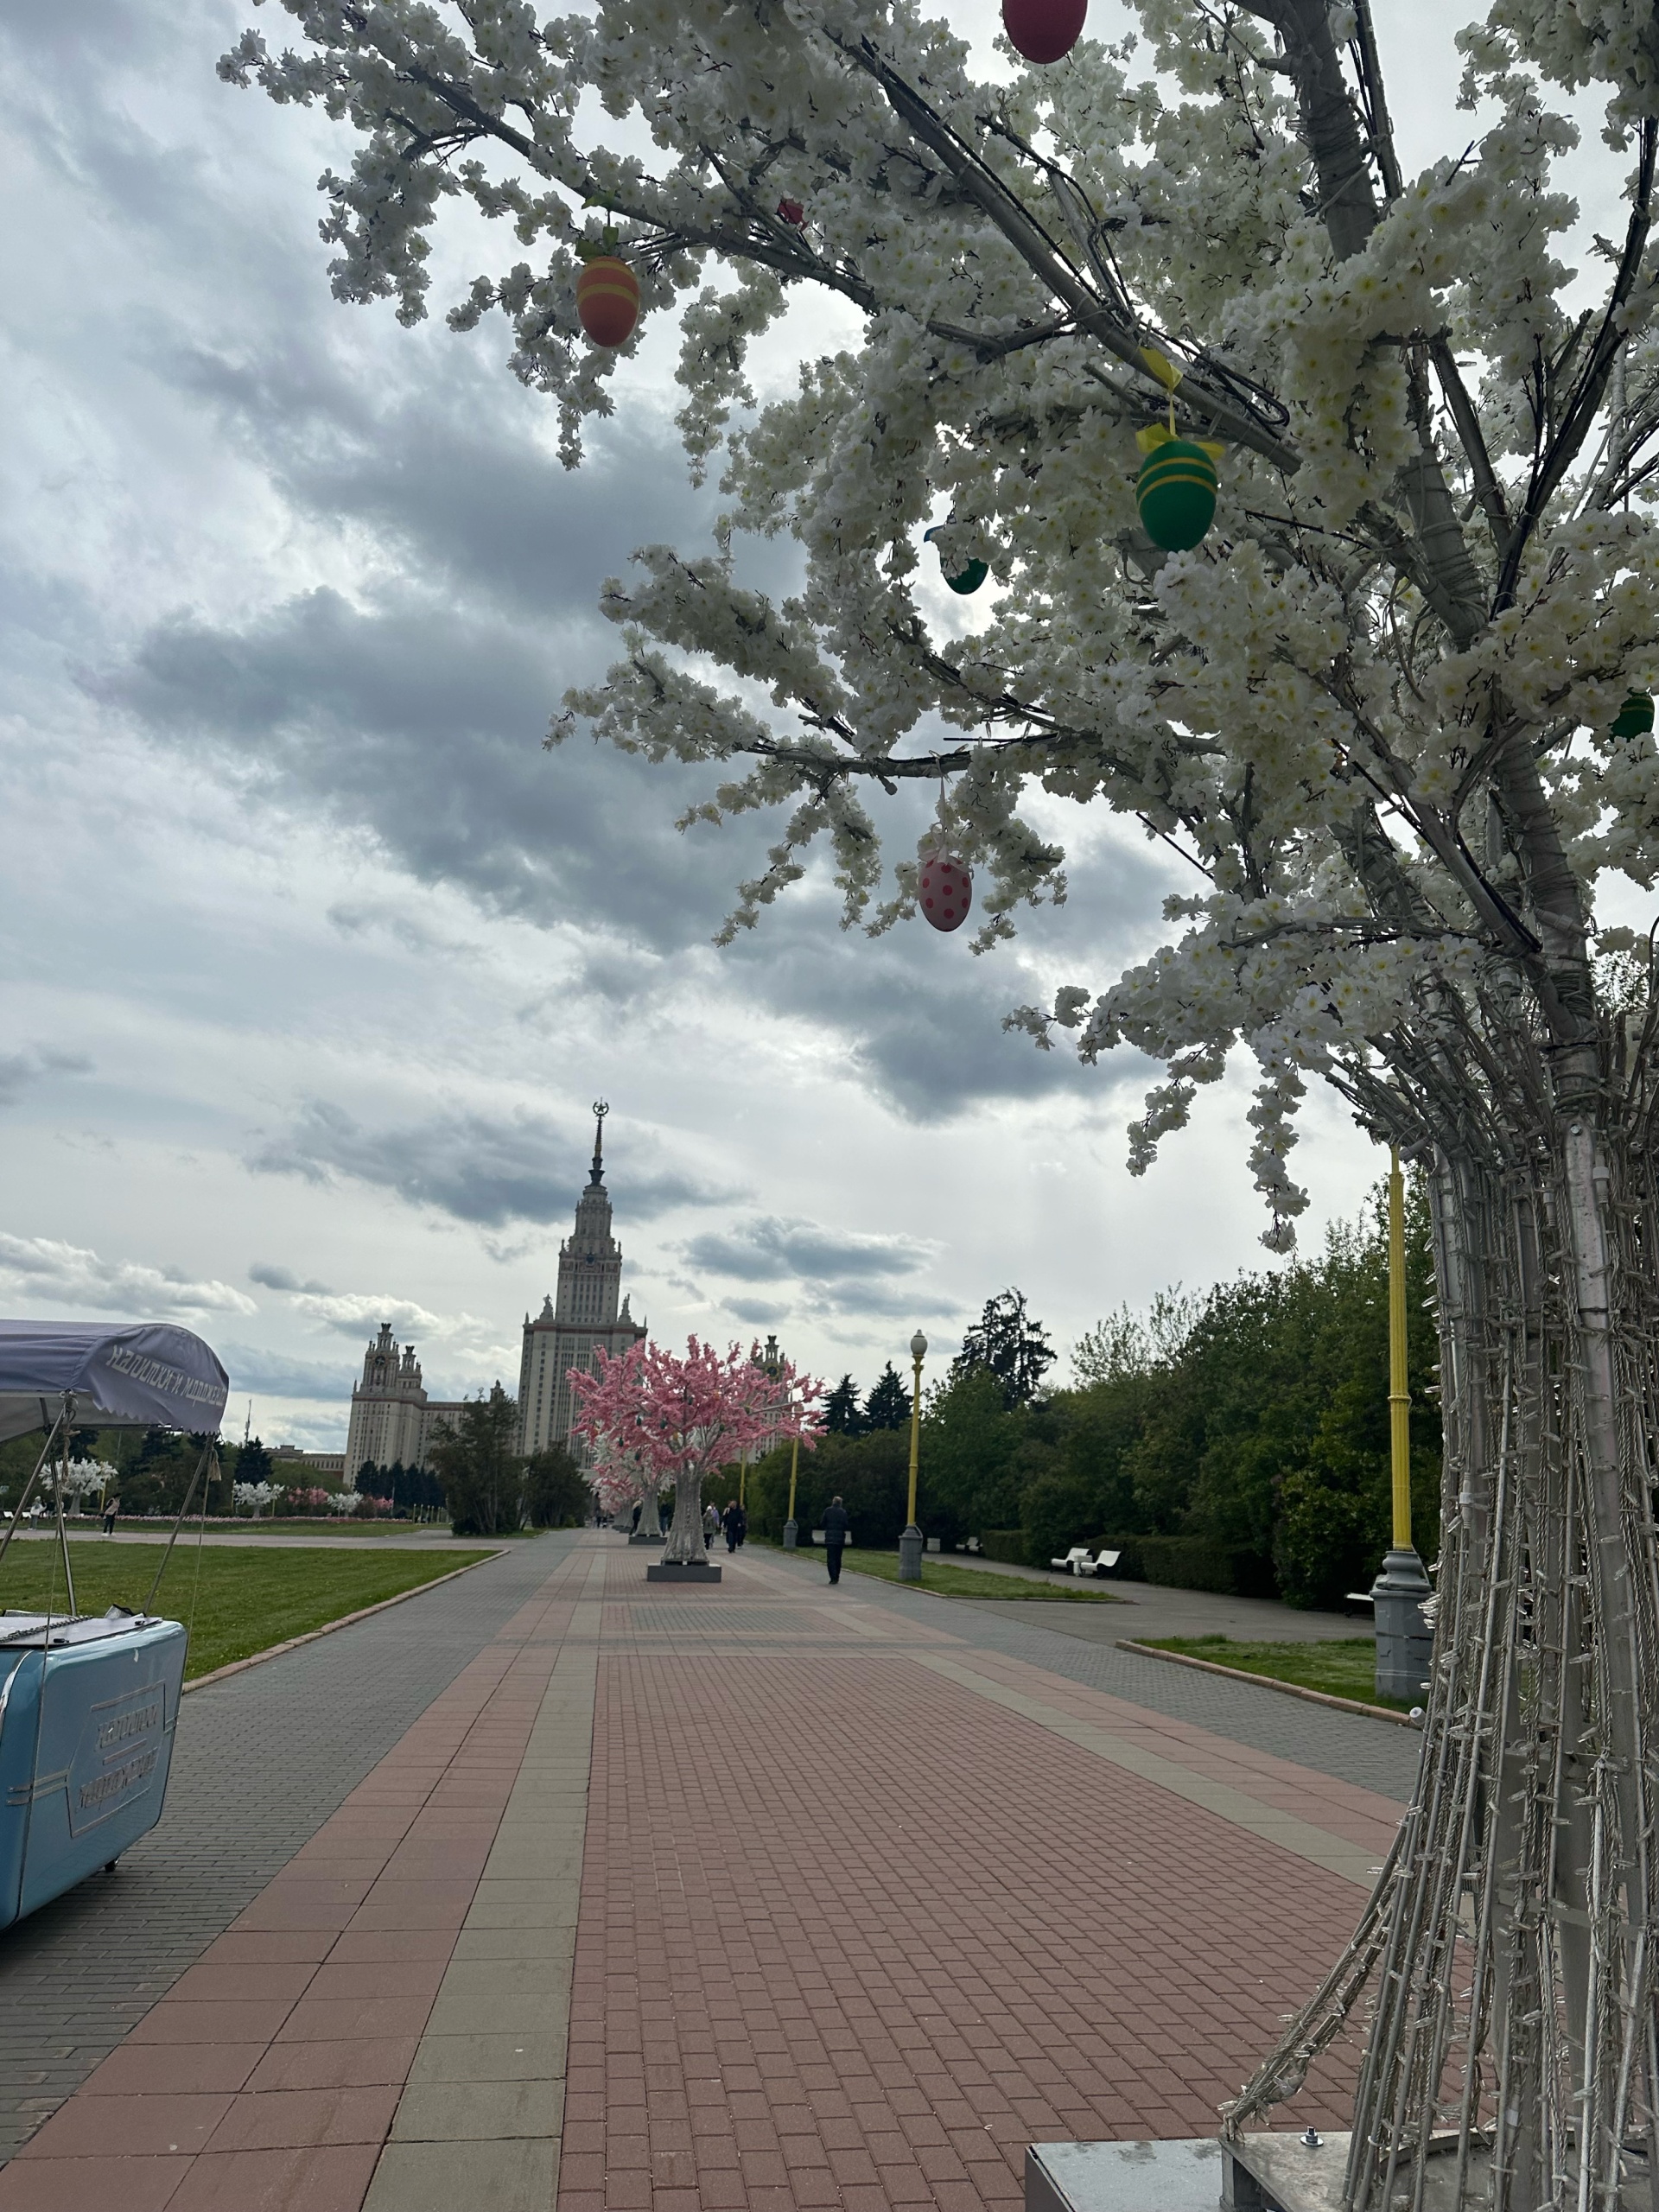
{"x":845,"y":1905}
{"x":261,"y":1760}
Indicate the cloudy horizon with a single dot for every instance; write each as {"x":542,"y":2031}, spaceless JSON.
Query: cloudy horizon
{"x":316,"y":958}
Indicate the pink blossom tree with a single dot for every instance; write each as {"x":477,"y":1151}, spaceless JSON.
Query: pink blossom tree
{"x":621,"y":1476}
{"x":678,"y":1418}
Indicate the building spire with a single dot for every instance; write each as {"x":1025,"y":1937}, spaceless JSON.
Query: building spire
{"x":595,"y":1180}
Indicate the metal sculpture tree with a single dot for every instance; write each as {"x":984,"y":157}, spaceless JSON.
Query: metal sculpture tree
{"x":1383,"y":709}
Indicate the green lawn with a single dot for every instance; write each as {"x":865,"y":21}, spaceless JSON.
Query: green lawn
{"x":248,"y":1599}
{"x":222,"y":1524}
{"x":1341,"y":1666}
{"x":947,"y":1581}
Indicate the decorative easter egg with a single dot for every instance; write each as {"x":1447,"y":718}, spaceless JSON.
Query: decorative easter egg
{"x":1044,"y":30}
{"x":1176,"y":494}
{"x":944,"y":887}
{"x":607,"y":300}
{"x":968,"y":577}
{"x":1635,"y":717}
{"x":792,"y":212}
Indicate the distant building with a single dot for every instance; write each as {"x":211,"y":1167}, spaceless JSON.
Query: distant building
{"x":585,"y":1314}
{"x":331,"y":1465}
{"x":392,"y":1419}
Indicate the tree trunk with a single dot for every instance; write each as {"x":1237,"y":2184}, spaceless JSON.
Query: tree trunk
{"x":1506,"y":1946}
{"x":685,"y":1543}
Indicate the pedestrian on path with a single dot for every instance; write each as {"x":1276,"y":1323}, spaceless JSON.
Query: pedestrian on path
{"x":111,"y":1506}
{"x":835,"y":1525}
{"x":736,"y":1525}
{"x":711,"y":1524}
{"x":638,"y":1508}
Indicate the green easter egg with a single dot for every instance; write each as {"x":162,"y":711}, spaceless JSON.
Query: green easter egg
{"x":1176,"y":494}
{"x":1635,"y":717}
{"x":970,"y":578}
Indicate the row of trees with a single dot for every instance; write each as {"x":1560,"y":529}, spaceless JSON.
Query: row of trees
{"x":1238,"y":1438}
{"x":490,"y":1487}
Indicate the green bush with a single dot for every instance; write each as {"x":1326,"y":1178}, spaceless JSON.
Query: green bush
{"x":1056,"y":1511}
{"x":1008,"y":1544}
{"x":1200,"y":1563}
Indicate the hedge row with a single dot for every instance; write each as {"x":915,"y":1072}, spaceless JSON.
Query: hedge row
{"x":1175,"y":1562}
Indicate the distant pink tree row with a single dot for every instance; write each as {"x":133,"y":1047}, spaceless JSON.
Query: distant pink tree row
{"x":653,"y":1418}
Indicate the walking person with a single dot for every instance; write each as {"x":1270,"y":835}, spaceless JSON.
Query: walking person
{"x":111,"y":1506}
{"x":835,"y":1525}
{"x":728,"y":1522}
{"x":711,"y":1525}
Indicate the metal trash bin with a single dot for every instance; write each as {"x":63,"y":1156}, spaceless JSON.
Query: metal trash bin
{"x":87,"y":1713}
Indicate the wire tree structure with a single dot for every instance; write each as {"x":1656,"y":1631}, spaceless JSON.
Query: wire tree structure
{"x":656,"y":1419}
{"x":1383,"y":710}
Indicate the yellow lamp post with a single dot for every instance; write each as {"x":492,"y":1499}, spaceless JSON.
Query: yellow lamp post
{"x":1403,"y":1641}
{"x":910,"y":1544}
{"x":791,"y":1532}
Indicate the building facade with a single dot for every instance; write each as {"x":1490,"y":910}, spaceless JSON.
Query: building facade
{"x":393,"y":1420}
{"x":587,"y":1314}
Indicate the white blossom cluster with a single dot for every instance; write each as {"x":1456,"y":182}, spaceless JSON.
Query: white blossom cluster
{"x":1363,"y":708}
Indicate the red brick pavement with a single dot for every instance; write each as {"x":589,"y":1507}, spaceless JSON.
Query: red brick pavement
{"x":851,"y":1934}
{"x":852,"y":1937}
{"x":266,"y":2080}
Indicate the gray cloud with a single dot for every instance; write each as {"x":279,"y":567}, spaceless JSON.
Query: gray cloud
{"x":277,"y":1376}
{"x":72,"y":1274}
{"x":770,"y":1250}
{"x":519,"y":1167}
{"x":275,"y":1278}
{"x":18,"y":1070}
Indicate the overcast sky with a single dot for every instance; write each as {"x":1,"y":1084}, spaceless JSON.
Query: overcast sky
{"x":313,"y":959}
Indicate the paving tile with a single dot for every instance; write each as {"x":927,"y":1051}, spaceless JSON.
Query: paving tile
{"x":454,"y":2111}
{"x":135,"y":2127}
{"x":91,"y":2184}
{"x":369,"y":2063}
{"x":292,"y":2119}
{"x":330,"y":2179}
{"x":511,"y":2177}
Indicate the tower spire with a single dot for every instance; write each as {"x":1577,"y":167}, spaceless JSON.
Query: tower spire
{"x":596,"y":1179}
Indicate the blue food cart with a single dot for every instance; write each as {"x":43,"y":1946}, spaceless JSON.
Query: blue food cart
{"x":88,"y":1705}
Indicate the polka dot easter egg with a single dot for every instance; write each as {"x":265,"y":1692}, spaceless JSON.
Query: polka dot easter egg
{"x":944,"y":888}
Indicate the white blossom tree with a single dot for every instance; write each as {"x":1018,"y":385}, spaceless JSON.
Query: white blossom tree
{"x":1382,"y":710}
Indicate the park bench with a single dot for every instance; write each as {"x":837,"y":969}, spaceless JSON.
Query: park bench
{"x":1081,"y":1560}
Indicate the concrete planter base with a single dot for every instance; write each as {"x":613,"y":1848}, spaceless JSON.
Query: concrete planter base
{"x":682,"y":1570}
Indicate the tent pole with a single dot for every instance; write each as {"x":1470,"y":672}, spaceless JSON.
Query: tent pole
{"x":29,"y":1487}
{"x":63,"y":1477}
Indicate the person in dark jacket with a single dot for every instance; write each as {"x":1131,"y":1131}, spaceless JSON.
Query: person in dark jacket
{"x":729,"y":1520}
{"x":835,"y":1525}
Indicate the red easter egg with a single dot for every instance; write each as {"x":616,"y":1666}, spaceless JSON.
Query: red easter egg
{"x":792,"y":212}
{"x":944,"y":888}
{"x":607,"y":300}
{"x":1044,"y":30}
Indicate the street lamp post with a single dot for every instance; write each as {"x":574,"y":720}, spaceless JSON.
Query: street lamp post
{"x":791,"y":1533}
{"x":910,"y":1544}
{"x":1403,"y":1641}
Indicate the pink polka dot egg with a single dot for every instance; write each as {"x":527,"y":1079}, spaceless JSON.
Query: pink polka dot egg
{"x":944,"y":888}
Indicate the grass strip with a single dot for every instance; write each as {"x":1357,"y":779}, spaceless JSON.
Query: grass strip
{"x":944,"y":1580}
{"x":1339,"y":1666}
{"x":247,"y":1599}
{"x":288,"y":1525}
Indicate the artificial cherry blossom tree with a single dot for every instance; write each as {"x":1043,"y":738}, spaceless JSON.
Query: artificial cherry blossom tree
{"x":677,"y":1420}
{"x":622,"y":1478}
{"x":1381,"y":712}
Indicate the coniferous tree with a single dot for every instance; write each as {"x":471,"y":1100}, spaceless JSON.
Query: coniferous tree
{"x":482,"y":1474}
{"x":841,"y":1413}
{"x":888,"y":1403}
{"x":1014,"y":1348}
